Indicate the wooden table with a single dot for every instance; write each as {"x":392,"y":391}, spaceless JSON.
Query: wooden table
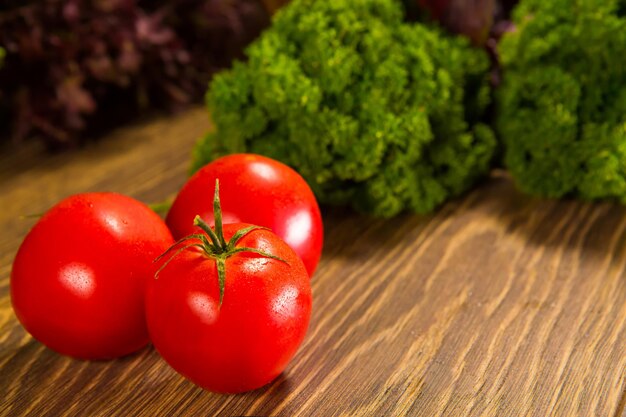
{"x":497,"y":305}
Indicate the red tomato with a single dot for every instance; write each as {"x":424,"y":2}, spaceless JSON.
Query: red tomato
{"x":256,"y":190}
{"x":248,"y":340}
{"x":78,"y":280}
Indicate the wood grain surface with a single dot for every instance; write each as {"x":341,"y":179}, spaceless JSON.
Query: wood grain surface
{"x":497,"y":305}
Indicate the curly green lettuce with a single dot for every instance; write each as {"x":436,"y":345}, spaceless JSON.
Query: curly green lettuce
{"x":562,"y":104}
{"x":375,"y":113}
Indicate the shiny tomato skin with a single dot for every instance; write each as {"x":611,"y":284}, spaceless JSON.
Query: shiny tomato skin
{"x":256,"y":190}
{"x":249,"y":340}
{"x":78,"y":279}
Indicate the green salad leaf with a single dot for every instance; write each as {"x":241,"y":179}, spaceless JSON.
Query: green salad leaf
{"x":374,"y":112}
{"x":562,"y":104}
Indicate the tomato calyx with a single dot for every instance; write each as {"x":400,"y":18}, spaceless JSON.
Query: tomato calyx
{"x":215,"y":246}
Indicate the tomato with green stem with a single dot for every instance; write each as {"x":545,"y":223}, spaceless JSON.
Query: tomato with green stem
{"x":257,"y":190}
{"x":229,"y":306}
{"x":78,"y":279}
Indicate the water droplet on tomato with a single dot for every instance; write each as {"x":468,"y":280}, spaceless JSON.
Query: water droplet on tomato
{"x":283,"y":307}
{"x":78,"y":279}
{"x":203,"y":307}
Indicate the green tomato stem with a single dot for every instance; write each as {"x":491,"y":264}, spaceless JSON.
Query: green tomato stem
{"x":217,"y":249}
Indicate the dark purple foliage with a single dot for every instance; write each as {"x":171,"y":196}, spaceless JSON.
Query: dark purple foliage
{"x":479,"y":20}
{"x":472,"y":18}
{"x":482,"y":21}
{"x":80,"y":66}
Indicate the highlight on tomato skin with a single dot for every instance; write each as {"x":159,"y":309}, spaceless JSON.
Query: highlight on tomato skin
{"x":248,"y":340}
{"x":78,"y":280}
{"x":256,"y":190}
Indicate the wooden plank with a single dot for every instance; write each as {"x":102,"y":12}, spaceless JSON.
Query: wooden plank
{"x":497,"y":305}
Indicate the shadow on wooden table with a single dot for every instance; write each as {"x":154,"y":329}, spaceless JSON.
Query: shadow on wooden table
{"x":87,"y":385}
{"x":595,"y":229}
